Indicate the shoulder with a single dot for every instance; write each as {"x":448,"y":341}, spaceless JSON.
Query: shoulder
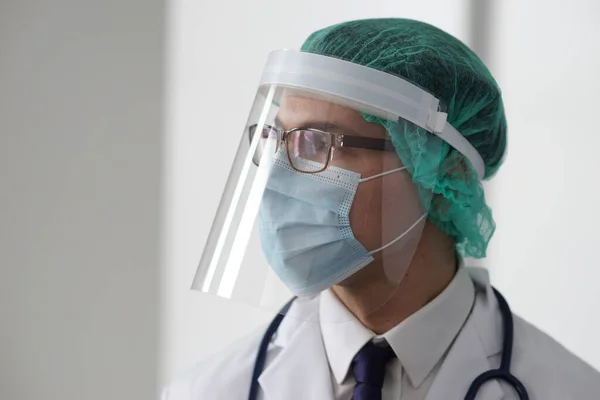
{"x":549,"y":370}
{"x":226,"y":375}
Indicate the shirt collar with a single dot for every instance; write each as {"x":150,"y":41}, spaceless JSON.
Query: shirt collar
{"x":420,"y":341}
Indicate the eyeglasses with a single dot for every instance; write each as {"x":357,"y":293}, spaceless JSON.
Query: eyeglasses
{"x":311,"y":150}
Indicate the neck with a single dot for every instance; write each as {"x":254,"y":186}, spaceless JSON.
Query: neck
{"x":380,"y":304}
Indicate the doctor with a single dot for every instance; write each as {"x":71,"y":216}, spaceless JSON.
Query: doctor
{"x":360,"y":169}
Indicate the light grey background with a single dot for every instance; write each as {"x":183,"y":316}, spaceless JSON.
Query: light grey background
{"x":544,"y":256}
{"x":81,"y":86}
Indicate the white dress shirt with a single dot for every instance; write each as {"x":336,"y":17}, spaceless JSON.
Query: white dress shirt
{"x":420,"y":342}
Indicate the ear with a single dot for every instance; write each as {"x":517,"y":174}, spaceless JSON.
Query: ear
{"x":457,"y":167}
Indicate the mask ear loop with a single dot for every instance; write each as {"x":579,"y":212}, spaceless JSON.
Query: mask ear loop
{"x":382,"y":174}
{"x":421,"y":218}
{"x":417,"y":222}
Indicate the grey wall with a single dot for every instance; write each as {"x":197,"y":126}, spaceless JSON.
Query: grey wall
{"x":80,"y":135}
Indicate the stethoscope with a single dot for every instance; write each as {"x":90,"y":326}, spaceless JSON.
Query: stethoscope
{"x":501,"y":373}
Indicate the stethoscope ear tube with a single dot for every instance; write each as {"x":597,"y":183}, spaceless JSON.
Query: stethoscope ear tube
{"x":503,"y":372}
{"x":500,"y":375}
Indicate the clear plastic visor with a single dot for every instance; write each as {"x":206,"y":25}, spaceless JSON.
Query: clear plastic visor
{"x":317,"y":200}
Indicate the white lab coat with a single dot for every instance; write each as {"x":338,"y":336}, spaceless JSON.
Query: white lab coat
{"x":297,"y":368}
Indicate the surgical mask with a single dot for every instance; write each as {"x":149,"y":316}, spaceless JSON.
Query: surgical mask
{"x":305,"y":226}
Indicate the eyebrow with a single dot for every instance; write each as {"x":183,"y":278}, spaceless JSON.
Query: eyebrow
{"x":321,"y":125}
{"x":278,"y":123}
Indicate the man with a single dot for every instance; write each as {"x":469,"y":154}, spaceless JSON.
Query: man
{"x":370,"y":199}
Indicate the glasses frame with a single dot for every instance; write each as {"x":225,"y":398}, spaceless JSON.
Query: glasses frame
{"x":336,"y":140}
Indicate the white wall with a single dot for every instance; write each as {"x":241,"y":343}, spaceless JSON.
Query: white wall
{"x":80,"y":134}
{"x":217,"y":52}
{"x":544,"y":256}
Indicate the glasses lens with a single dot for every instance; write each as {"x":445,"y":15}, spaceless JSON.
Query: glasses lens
{"x":267,"y":133}
{"x":308,"y":150}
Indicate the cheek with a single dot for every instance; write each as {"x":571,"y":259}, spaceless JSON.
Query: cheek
{"x":384,"y":208}
{"x":366,"y":212}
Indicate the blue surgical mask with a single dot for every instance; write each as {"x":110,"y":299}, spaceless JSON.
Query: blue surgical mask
{"x":305,"y":226}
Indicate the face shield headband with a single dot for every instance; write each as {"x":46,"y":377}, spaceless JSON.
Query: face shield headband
{"x":377,"y":93}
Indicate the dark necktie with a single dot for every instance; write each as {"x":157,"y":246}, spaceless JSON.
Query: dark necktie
{"x":369,"y":370}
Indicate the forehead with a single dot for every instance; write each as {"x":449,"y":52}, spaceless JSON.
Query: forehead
{"x":295,"y":108}
{"x":297,"y":111}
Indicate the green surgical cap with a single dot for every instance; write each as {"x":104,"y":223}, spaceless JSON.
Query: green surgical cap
{"x":445,"y":67}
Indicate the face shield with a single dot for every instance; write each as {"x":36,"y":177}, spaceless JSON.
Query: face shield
{"x":317,"y":196}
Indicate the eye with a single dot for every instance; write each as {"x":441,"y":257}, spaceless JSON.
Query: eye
{"x":319,"y":141}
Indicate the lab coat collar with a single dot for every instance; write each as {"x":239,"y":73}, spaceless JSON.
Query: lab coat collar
{"x":422,"y":339}
{"x":300,"y":371}
{"x":486,"y":316}
{"x":479,"y":339}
